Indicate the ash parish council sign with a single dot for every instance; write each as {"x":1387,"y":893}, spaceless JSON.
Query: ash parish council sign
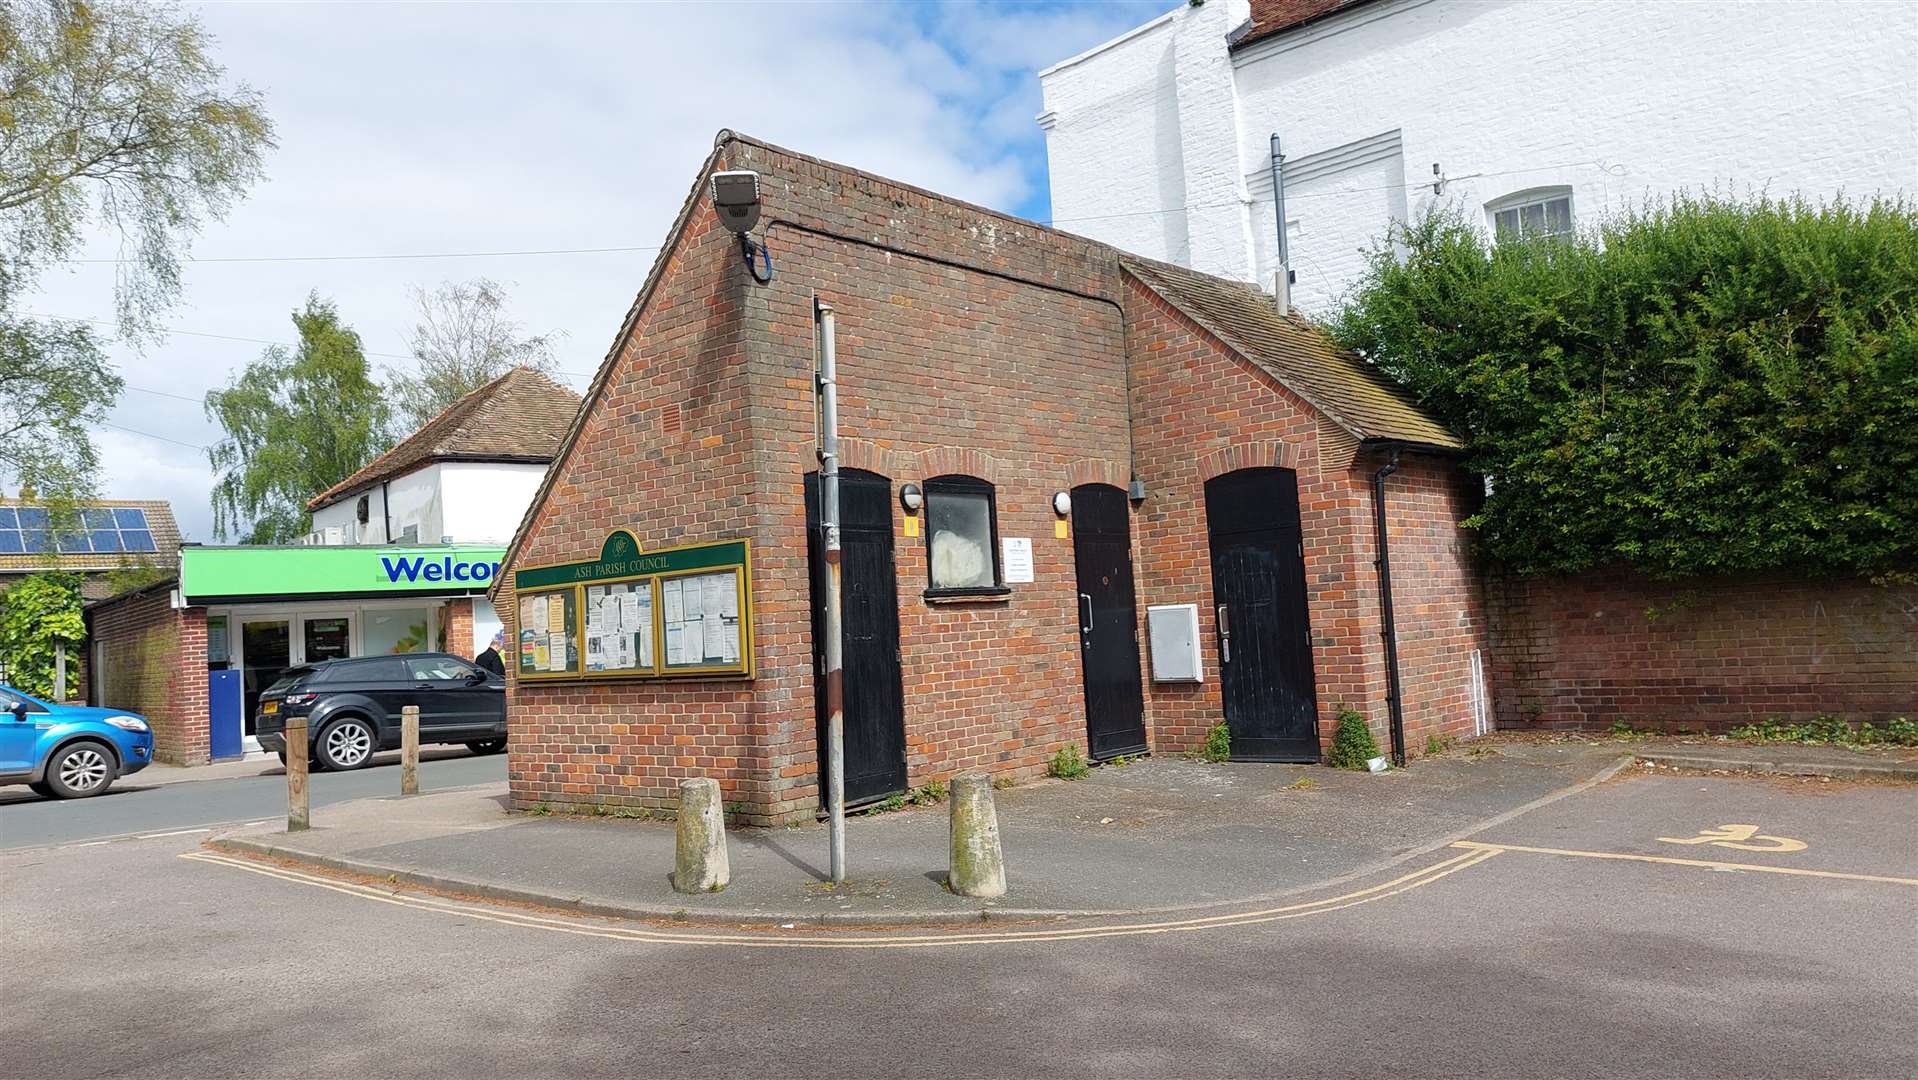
{"x":630,"y":613}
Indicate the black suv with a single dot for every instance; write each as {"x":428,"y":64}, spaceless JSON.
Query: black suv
{"x":353,"y":706}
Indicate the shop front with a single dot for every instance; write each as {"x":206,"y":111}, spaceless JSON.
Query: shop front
{"x":195,"y":654}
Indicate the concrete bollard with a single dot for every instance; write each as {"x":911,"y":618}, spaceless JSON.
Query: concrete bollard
{"x":298,"y":811}
{"x":409,"y":750}
{"x":699,"y":863}
{"x":978,"y":866}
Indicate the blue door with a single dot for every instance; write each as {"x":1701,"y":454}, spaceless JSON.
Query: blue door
{"x":224,"y":705}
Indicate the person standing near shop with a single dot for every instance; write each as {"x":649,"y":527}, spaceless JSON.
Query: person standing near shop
{"x":490,"y":659}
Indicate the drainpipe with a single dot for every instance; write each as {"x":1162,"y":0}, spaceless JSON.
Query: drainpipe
{"x":386,"y":515}
{"x":1394,"y":703}
{"x":1282,"y":287}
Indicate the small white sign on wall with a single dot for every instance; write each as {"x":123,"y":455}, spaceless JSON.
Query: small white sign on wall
{"x":1016,"y":558}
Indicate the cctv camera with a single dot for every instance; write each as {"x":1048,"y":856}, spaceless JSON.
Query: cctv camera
{"x":736,"y":197}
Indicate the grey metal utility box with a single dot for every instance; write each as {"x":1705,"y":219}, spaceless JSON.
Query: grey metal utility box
{"x":1174,"y":629}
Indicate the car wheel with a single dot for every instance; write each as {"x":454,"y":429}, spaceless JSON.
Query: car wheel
{"x":80,"y":770}
{"x":282,"y":755}
{"x":346,"y":744}
{"x":487,"y":746}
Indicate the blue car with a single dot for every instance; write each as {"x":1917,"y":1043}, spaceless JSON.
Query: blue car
{"x":67,"y":751}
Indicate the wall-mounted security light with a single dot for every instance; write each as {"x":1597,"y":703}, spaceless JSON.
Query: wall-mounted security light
{"x":1062,"y":503}
{"x":911,"y":498}
{"x":736,"y":199}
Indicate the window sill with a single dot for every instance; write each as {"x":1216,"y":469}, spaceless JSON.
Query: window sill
{"x":996,"y":595}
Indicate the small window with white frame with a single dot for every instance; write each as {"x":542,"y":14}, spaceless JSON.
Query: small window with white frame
{"x":1545,"y":211}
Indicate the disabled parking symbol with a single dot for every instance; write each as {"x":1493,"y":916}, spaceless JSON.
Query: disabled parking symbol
{"x":1739,"y":838}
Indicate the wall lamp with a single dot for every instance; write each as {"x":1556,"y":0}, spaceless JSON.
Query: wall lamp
{"x":911,"y":498}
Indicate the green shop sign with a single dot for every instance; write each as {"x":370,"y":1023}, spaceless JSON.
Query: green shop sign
{"x":238,"y":573}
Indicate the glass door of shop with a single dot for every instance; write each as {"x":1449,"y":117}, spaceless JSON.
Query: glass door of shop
{"x":266,"y":652}
{"x":270,"y":645}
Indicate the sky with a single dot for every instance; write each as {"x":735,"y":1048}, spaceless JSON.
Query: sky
{"x":438,"y":129}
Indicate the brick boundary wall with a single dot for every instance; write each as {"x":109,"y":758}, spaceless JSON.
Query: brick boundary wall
{"x":155,"y":665}
{"x":1587,"y":651}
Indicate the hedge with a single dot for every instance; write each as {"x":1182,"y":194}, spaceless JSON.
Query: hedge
{"x":1701,"y":387}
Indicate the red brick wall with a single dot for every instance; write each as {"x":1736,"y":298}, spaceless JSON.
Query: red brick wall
{"x":155,"y":661}
{"x":665,"y":453}
{"x":941,"y":371}
{"x":1437,"y":600}
{"x":459,"y":628}
{"x":1200,"y":411}
{"x":1701,"y":655}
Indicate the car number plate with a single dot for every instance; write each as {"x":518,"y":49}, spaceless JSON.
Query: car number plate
{"x":269,"y":707}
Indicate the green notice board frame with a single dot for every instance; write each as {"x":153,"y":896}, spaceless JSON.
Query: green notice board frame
{"x":697,"y":623}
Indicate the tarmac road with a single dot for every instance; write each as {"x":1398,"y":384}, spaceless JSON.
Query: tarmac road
{"x":125,"y":959}
{"x":135,"y":806}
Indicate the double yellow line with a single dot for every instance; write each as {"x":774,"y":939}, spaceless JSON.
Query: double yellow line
{"x":827,"y":939}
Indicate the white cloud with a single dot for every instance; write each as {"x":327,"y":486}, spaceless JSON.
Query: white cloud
{"x":472,"y":127}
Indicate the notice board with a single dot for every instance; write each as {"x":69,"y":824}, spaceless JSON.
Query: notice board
{"x":634,"y":614}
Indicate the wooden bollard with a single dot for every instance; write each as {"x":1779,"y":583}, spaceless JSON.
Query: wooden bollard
{"x":409,"y":750}
{"x":298,"y":816}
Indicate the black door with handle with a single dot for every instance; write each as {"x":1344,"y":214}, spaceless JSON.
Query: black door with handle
{"x":875,"y":721}
{"x":1265,"y":641}
{"x":1108,"y":621}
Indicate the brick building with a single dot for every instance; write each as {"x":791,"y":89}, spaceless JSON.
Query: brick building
{"x":1216,"y":452}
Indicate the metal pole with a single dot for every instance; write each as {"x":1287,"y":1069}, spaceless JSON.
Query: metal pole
{"x":409,"y":750}
{"x":829,"y":524}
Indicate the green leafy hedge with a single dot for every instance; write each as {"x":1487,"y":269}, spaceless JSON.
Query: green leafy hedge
{"x":1701,"y":387}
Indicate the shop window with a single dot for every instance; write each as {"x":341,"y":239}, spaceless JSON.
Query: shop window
{"x":1532,"y":213}
{"x":962,"y":537}
{"x":395,"y":630}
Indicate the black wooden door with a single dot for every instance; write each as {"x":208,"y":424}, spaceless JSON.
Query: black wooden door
{"x":1108,"y":621}
{"x":1265,"y":642}
{"x":875,"y":723}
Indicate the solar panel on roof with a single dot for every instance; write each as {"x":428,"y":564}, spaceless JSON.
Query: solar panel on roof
{"x":26,"y":530}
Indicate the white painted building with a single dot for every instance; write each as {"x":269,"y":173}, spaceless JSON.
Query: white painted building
{"x":465,"y":477}
{"x":1550,"y":112}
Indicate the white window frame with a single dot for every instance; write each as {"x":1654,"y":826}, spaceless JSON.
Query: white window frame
{"x":1518,"y":201}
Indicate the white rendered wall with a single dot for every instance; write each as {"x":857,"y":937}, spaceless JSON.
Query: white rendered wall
{"x":1621,"y":101}
{"x":482,"y":503}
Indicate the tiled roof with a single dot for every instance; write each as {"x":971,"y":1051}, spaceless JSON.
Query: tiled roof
{"x":166,"y":539}
{"x":1271,"y":17}
{"x":520,"y":416}
{"x":1296,"y":353}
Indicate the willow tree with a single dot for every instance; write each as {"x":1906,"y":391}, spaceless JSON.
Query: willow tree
{"x":114,"y":119}
{"x":297,"y":422}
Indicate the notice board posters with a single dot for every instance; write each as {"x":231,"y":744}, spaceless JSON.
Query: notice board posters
{"x":700,"y":616}
{"x":619,"y":627}
{"x":548,"y":624}
{"x":632,"y":614}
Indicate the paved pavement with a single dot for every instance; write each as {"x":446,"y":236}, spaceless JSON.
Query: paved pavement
{"x":1159,"y":834}
{"x":1511,"y":964}
{"x":136,"y":806}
